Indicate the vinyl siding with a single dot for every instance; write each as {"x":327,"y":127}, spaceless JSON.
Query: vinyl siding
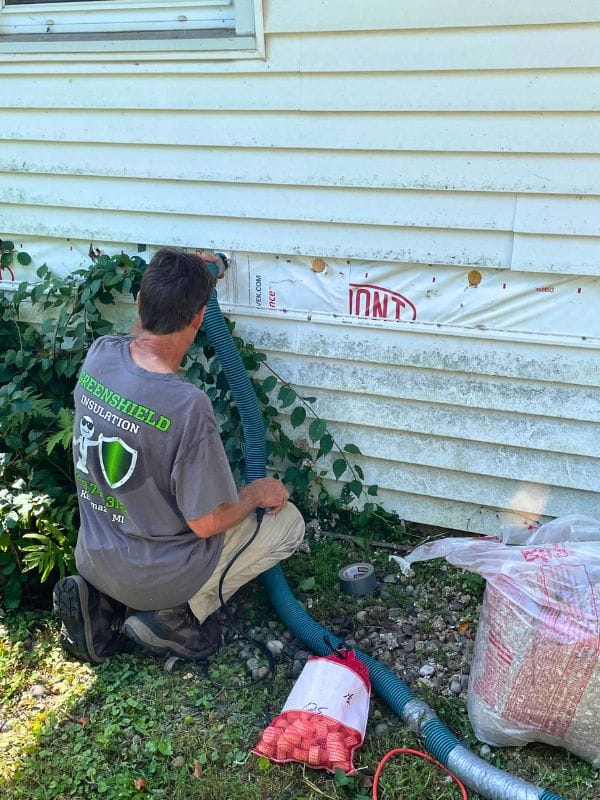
{"x":423,"y":134}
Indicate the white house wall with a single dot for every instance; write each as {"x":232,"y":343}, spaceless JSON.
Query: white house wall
{"x":411,"y":141}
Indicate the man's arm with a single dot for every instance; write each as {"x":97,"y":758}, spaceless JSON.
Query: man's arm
{"x":263,"y":493}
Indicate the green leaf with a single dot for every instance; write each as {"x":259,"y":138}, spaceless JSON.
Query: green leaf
{"x":250,"y":362}
{"x":193,"y":373}
{"x":308,"y":584}
{"x":298,"y":416}
{"x":373,"y":489}
{"x":341,"y":779}
{"x":214,"y":367}
{"x":326,"y":445}
{"x":24,"y":259}
{"x":352,"y":448}
{"x":355,"y":487}
{"x":268,"y":385}
{"x":339,"y":467}
{"x":316,"y":429}
{"x":286,"y":396}
{"x":291,"y":475}
{"x":165,"y":747}
{"x":58,"y":438}
{"x":37,"y":292}
{"x":359,"y":472}
{"x":6,"y":245}
{"x":6,"y":259}
{"x":263,"y":763}
{"x":38,"y":537}
{"x":60,"y":366}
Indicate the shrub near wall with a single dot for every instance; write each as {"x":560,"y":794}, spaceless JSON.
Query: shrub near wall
{"x":39,"y":364}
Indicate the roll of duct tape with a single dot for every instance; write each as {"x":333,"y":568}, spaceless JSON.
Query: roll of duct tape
{"x":357,"y":579}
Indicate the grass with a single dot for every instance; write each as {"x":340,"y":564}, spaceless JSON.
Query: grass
{"x":128,"y":730}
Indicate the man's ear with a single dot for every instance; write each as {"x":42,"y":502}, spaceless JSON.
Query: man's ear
{"x":137,"y":324}
{"x":199,"y":317}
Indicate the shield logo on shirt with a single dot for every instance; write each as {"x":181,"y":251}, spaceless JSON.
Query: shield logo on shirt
{"x":117,"y":460}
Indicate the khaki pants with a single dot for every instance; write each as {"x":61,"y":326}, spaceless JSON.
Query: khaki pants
{"x":279,"y":535}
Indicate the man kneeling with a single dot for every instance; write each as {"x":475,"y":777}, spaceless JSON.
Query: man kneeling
{"x":161,"y":516}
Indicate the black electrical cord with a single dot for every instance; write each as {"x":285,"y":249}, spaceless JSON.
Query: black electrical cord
{"x":260,"y":513}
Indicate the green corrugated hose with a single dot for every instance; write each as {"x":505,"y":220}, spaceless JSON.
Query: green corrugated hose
{"x":476,"y":773}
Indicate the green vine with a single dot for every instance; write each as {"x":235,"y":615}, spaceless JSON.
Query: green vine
{"x":46,"y":331}
{"x":8,"y":256}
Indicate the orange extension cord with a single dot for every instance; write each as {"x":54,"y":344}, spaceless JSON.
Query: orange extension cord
{"x":419,"y":754}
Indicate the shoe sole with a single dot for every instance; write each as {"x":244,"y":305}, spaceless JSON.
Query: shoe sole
{"x":146,"y":638}
{"x":70,"y":601}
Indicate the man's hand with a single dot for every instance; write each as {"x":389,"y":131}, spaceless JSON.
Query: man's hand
{"x":220,"y":260}
{"x":270,"y":494}
{"x":205,"y":256}
{"x":263,"y":493}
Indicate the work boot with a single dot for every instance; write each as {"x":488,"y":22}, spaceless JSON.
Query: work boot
{"x":91,"y":621}
{"x":174,"y":631}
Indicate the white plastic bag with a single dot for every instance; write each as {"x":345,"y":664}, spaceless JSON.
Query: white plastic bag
{"x":325,"y":716}
{"x":535,"y":674}
{"x":563,"y":529}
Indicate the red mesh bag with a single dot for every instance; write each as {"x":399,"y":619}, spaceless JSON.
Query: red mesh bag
{"x":325,"y":716}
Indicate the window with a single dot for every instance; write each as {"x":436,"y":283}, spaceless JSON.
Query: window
{"x":210,"y":27}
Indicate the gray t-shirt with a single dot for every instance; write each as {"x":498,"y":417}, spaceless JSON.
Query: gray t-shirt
{"x":148,"y":456}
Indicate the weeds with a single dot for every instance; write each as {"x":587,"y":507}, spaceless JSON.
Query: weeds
{"x":101,"y":732}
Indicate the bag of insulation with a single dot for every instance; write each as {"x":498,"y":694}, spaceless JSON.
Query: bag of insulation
{"x":324,"y":717}
{"x":535,"y":674}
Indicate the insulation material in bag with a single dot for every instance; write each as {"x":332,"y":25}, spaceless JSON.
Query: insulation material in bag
{"x":535,"y":674}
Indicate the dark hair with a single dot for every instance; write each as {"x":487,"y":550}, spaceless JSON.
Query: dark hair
{"x":174,"y":287}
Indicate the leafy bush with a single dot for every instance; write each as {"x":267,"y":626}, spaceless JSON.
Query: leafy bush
{"x":46,"y":330}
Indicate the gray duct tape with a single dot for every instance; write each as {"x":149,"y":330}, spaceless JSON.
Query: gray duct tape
{"x":357,"y":579}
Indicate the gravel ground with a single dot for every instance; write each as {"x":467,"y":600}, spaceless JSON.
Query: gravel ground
{"x":427,"y":642}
